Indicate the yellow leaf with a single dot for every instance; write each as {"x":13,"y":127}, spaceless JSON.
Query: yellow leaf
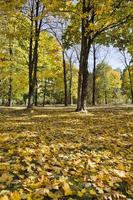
{"x":52,"y":195}
{"x":67,"y":189}
{"x":82,"y":192}
{"x":4,"y":198}
{"x":92,"y":192}
{"x":119,"y":173}
{"x":29,"y":198}
{"x":15,"y":196}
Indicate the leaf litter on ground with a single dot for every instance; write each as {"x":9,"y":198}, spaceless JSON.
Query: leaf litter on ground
{"x":60,"y":154}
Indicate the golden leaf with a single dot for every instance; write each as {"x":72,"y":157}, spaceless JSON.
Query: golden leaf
{"x":82,"y":192}
{"x":92,"y":192}
{"x":4,"y":198}
{"x":67,"y":189}
{"x":15,"y":196}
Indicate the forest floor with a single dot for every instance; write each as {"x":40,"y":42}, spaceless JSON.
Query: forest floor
{"x":57,"y":153}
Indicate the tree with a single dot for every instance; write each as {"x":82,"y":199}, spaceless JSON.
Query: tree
{"x":108,"y":83}
{"x":94,"y":76}
{"x":124,"y":41}
{"x":96,"y":17}
{"x":128,"y":78}
{"x":35,"y":13}
{"x":58,"y":27}
{"x":13,"y":59}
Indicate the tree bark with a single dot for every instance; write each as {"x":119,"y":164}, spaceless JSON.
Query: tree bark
{"x":65,"y":79}
{"x":3,"y":101}
{"x":131,"y":83}
{"x":105,"y":95}
{"x":31,"y":93}
{"x":71,"y":82}
{"x":36,"y":94}
{"x":94,"y":77}
{"x":10,"y":92}
{"x":10,"y":78}
{"x":44,"y":94}
{"x":33,"y":52}
{"x":83,"y":66}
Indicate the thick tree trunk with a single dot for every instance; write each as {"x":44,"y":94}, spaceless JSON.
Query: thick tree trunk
{"x":83,"y":74}
{"x":83,"y":66}
{"x":84,"y":89}
{"x":65,"y":79}
{"x":83,"y":77}
{"x":131,"y":83}
{"x":94,"y":77}
{"x":30,"y":96}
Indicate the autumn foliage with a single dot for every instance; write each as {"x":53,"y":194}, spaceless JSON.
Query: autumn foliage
{"x":59,"y":154}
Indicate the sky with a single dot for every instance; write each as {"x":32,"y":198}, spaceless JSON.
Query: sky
{"x":110,"y":55}
{"x":114,"y":58}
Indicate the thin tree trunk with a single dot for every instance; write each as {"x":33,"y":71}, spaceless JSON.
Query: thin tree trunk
{"x":131,"y":83}
{"x":10,"y":78}
{"x":94,"y":77}
{"x":31,"y":93}
{"x":3,"y":101}
{"x":10,"y":92}
{"x":105,"y":95}
{"x":65,"y":79}
{"x":44,"y":94}
{"x":35,"y":58}
{"x":80,"y":77}
{"x":71,"y":82}
{"x":36,"y":94}
{"x":44,"y":99}
{"x":33,"y":55}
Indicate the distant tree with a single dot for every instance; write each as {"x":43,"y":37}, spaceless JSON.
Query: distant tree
{"x":108,"y":83}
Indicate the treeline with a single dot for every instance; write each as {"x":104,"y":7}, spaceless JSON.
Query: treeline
{"x":45,"y":48}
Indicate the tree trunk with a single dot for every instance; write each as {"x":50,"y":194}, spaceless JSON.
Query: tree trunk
{"x":33,"y":55}
{"x":10,"y":78}
{"x":83,"y":77}
{"x":65,"y":79}
{"x":94,"y":77}
{"x":106,"y":100}
{"x":83,"y":66}
{"x":36,"y":94}
{"x":44,"y":94}
{"x":10,"y":92}
{"x":3,"y":101}
{"x":86,"y":42}
{"x":131,"y":83}
{"x":71,"y":82}
{"x":44,"y":99}
{"x":31,"y":93}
